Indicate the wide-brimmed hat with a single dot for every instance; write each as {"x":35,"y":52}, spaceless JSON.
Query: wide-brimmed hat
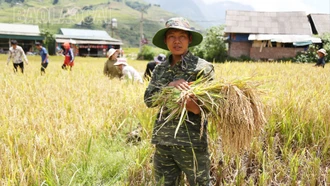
{"x":160,"y":58}
{"x":111,"y":51}
{"x":322,"y":50}
{"x":176,"y":23}
{"x":121,"y":61}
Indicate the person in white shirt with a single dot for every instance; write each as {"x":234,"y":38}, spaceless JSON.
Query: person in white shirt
{"x":17,"y":54}
{"x":128,"y":71}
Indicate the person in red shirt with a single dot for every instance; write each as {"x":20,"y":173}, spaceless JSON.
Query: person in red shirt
{"x":68,"y":56}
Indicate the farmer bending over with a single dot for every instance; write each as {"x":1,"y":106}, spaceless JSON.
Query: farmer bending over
{"x":110,"y":69}
{"x":321,"y":61}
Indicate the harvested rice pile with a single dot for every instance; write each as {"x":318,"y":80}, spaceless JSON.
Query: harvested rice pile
{"x":235,"y":107}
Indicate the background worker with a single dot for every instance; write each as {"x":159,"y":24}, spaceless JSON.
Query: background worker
{"x":152,"y":64}
{"x":17,"y":54}
{"x":68,"y":56}
{"x":44,"y":57}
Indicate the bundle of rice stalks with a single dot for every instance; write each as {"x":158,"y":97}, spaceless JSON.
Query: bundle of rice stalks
{"x":234,"y":107}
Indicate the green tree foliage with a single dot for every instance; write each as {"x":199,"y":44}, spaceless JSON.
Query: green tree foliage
{"x":310,"y":55}
{"x":213,"y":47}
{"x":49,"y":41}
{"x":55,"y":2}
{"x":138,"y":6}
{"x":146,"y":53}
{"x":14,"y":1}
{"x":88,"y":22}
{"x":326,"y":41}
{"x":326,"y":45}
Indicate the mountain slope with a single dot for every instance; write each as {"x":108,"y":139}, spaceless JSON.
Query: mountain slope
{"x":205,"y":15}
{"x":96,"y":14}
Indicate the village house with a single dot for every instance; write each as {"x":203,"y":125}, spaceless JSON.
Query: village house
{"x":88,"y":42}
{"x":320,"y":23}
{"x":267,"y":35}
{"x":25,"y":34}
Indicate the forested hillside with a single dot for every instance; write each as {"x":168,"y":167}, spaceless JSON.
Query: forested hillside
{"x":51,"y":15}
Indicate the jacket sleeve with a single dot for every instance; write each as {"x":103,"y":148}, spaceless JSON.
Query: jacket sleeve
{"x":23,"y":54}
{"x":156,"y":84}
{"x":207,"y":68}
{"x":71,"y":55}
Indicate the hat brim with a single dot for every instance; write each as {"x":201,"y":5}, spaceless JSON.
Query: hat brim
{"x":159,"y":38}
{"x":120,"y":63}
{"x":111,"y":53}
{"x":323,"y":52}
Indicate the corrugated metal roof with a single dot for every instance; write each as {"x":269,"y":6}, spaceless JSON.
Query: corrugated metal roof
{"x":86,"y":34}
{"x":321,"y":23}
{"x":284,"y":38}
{"x":267,"y":22}
{"x":93,"y":42}
{"x":19,"y":29}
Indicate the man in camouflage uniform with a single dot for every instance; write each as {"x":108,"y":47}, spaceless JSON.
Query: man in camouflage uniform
{"x":187,"y":152}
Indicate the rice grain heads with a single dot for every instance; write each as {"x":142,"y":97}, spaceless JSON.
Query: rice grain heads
{"x":234,"y":107}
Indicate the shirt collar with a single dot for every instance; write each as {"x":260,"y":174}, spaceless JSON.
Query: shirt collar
{"x":184,"y":58}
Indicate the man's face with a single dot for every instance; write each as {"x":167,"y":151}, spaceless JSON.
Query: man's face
{"x":114,"y":56}
{"x":320,"y":54}
{"x":177,"y":41}
{"x":38,"y":47}
{"x":14,"y":46}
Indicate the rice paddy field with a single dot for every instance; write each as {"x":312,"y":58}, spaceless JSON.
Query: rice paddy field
{"x":71,"y":127}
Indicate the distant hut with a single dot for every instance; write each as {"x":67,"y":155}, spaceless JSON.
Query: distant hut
{"x":267,"y":35}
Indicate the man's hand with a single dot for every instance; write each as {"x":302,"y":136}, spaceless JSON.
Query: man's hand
{"x":180,"y":84}
{"x":191,"y":104}
{"x":191,"y":100}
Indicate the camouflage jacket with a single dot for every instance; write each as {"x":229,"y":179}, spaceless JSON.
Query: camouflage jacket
{"x":189,"y":132}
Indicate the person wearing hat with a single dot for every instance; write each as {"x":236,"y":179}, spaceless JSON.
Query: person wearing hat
{"x":152,"y":64}
{"x":68,"y":56}
{"x":128,"y":71}
{"x":321,"y":61}
{"x":110,"y":69}
{"x":187,"y":152}
{"x":44,"y":57}
{"x":17,"y":54}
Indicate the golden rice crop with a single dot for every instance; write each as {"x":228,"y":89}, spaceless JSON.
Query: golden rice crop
{"x":234,"y":107}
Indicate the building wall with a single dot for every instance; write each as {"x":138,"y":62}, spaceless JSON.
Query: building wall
{"x":273,"y":53}
{"x":237,"y":49}
{"x":27,"y":45}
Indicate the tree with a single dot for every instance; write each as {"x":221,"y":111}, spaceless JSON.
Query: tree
{"x":309,"y":56}
{"x":88,"y":21}
{"x":49,"y":41}
{"x":326,"y":44}
{"x":213,"y":47}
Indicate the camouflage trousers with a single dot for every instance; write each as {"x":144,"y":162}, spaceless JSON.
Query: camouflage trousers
{"x":171,"y":161}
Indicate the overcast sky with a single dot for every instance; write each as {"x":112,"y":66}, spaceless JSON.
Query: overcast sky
{"x":309,"y":6}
